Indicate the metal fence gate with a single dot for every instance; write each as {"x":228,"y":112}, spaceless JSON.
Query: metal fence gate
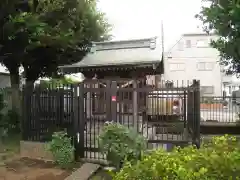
{"x":127,"y":103}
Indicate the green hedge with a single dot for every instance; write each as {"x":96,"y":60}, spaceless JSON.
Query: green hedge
{"x":216,"y":160}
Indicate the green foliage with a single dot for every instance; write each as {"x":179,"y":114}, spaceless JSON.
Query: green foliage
{"x":2,"y":122}
{"x":121,"y":143}
{"x":215,"y":160}
{"x":12,"y":122}
{"x":222,"y":18}
{"x":62,"y":149}
{"x":56,"y":83}
{"x":41,"y":35}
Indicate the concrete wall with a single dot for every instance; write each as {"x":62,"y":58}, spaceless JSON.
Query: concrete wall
{"x":184,"y":62}
{"x":35,"y":150}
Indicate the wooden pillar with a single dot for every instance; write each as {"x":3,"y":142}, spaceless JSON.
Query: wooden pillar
{"x":114,"y":101}
{"x":108,"y":101}
{"x":135,"y":106}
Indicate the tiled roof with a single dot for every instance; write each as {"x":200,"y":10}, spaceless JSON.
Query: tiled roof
{"x":127,"y":52}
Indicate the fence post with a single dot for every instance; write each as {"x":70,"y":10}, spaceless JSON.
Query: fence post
{"x":24,"y":115}
{"x":81,"y":119}
{"x":76,"y":123}
{"x":60,"y":107}
{"x":185,"y":130}
{"x":190,"y":110}
{"x":197,"y":114}
{"x":37,"y":113}
{"x":27,"y":115}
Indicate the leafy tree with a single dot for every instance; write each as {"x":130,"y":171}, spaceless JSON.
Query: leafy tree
{"x":41,"y":35}
{"x":77,"y":23}
{"x":223,"y":18}
{"x":57,"y":83}
{"x":12,"y":42}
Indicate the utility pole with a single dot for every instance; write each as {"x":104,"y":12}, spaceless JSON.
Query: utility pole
{"x":162,"y":34}
{"x":162,"y":60}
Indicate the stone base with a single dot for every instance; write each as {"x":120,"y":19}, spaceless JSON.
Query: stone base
{"x":35,"y":150}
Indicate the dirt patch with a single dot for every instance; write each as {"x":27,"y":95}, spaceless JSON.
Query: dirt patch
{"x":29,"y":169}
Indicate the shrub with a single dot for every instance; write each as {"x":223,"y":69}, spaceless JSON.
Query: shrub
{"x":2,"y":122}
{"x":62,"y":149}
{"x":9,"y":121}
{"x":1,"y":106}
{"x":12,"y":122}
{"x":121,"y":143}
{"x":216,"y":160}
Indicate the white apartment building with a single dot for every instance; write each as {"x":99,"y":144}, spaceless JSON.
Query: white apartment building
{"x":193,"y":58}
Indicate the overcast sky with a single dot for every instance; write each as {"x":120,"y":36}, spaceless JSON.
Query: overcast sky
{"x":142,"y":18}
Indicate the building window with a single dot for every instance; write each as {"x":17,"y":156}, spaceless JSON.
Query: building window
{"x":205,"y":66}
{"x":188,"y":43}
{"x":202,"y":44}
{"x":177,"y":67}
{"x":207,"y":90}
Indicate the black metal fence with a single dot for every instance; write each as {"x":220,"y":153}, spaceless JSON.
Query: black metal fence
{"x":219,"y":110}
{"x":45,"y":112}
{"x":165,"y":115}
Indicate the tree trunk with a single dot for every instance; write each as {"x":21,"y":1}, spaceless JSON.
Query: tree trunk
{"x":1,"y":143}
{"x":30,"y":86}
{"x":16,"y":102}
{"x":31,"y":76}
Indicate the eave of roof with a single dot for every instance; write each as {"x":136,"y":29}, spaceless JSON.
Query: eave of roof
{"x":120,"y":65}
{"x":4,"y":73}
{"x":122,"y":54}
{"x":129,"y":67}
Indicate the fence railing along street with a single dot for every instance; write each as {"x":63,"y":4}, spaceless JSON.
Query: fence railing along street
{"x":219,"y":109}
